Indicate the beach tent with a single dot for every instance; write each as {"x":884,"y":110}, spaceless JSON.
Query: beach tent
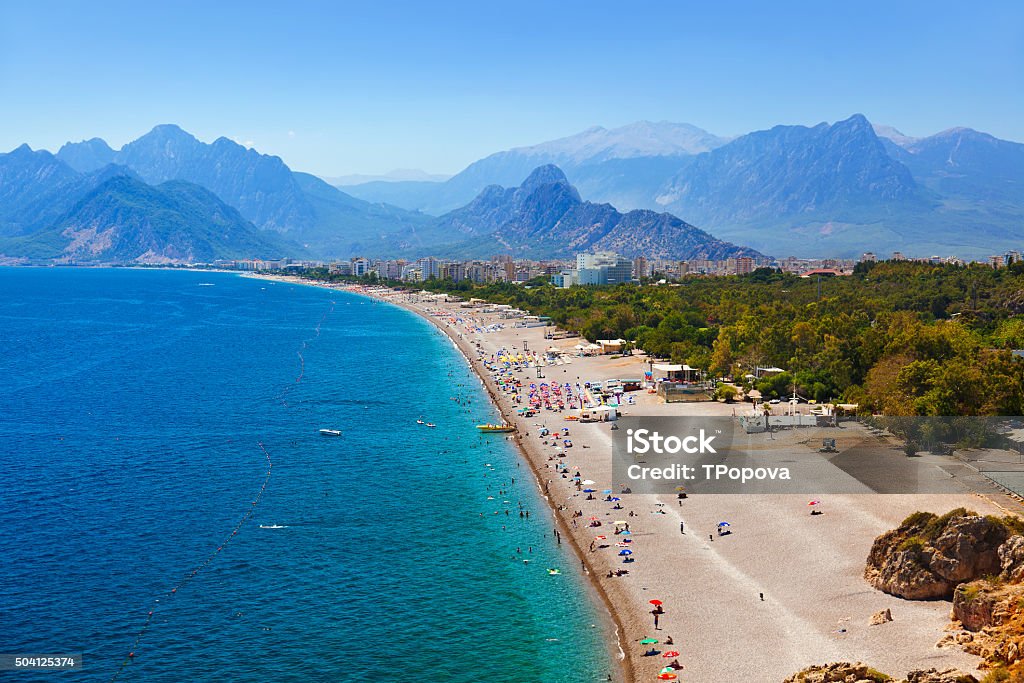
{"x":675,"y":372}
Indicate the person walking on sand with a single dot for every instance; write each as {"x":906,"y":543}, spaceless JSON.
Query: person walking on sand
{"x":682,"y":528}
{"x":656,"y":616}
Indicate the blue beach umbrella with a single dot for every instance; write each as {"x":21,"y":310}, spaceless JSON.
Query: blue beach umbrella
{"x":606,"y":491}
{"x":625,"y":551}
{"x":723,"y":524}
{"x":589,"y":490}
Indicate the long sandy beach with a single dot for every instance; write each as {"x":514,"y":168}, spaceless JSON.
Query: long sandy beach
{"x":783,"y":591}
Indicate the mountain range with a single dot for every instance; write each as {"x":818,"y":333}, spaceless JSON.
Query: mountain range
{"x":824,"y":190}
{"x":51,"y":212}
{"x":91,"y":203}
{"x":546,"y":216}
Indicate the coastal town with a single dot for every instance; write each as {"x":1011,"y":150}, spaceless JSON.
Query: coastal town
{"x":598,"y":268}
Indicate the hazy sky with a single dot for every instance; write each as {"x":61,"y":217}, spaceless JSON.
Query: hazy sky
{"x":335,"y":87}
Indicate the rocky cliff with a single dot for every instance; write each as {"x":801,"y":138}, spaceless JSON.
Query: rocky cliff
{"x":979,"y":563}
{"x":845,"y":672}
{"x":927,"y":556}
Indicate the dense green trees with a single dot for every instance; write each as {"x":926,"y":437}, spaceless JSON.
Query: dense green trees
{"x":897,"y":337}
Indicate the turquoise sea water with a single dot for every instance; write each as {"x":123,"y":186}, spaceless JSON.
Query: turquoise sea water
{"x":132,"y":409}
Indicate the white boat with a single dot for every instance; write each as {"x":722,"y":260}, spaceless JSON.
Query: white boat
{"x":330,"y":432}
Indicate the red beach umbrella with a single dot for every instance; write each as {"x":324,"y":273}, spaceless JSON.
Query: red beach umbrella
{"x":667,"y":677}
{"x":655,"y":602}
{"x":670,"y":653}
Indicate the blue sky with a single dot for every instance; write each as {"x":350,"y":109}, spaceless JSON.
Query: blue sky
{"x":337,"y":88}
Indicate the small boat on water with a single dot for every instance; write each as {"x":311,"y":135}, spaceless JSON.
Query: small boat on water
{"x":431,"y":424}
{"x":489,"y":428}
{"x":420,"y":422}
{"x":330,"y":432}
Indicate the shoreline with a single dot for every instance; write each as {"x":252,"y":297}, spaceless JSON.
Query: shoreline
{"x":621,"y":658}
{"x":814,"y":605}
{"x":619,"y":653}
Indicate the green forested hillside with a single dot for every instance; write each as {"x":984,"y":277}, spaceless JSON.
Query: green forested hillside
{"x":901,"y":338}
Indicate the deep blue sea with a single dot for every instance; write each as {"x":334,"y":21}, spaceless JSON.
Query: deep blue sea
{"x":132,"y":408}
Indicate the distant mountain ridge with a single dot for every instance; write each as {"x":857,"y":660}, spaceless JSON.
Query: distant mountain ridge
{"x":603,"y":162}
{"x":51,"y":212}
{"x":308,"y":211}
{"x":790,"y":169}
{"x":545,"y":217}
{"x":825,"y":190}
{"x":127,"y":221}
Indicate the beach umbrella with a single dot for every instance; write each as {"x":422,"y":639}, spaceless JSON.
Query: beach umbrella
{"x":655,"y":602}
{"x":815,"y":502}
{"x":616,"y":499}
{"x":593,"y":519}
{"x":667,"y":670}
{"x":589,"y":490}
{"x":627,"y":540}
{"x":606,"y":491}
{"x":625,"y":552}
{"x":680,"y":488}
{"x":587,"y":482}
{"x":621,"y":521}
{"x":723,"y":524}
{"x":667,"y":677}
{"x":626,"y":533}
{"x":670,"y":653}
{"x":600,"y":538}
{"x":649,"y":641}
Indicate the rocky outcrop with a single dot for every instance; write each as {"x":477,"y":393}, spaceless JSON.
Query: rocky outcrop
{"x":936,"y":676}
{"x":927,"y":556}
{"x":992,"y":614}
{"x":845,"y":672}
{"x":979,"y":563}
{"x":838,"y":672}
{"x":1011,"y":559}
{"x":881,"y":617}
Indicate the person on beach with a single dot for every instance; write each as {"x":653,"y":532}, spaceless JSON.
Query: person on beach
{"x":682,"y":528}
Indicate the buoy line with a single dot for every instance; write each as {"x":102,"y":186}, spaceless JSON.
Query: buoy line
{"x":184,"y":581}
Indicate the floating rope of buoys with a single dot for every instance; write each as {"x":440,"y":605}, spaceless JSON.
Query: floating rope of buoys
{"x":302,"y":359}
{"x":130,"y":657}
{"x":201,"y":566}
